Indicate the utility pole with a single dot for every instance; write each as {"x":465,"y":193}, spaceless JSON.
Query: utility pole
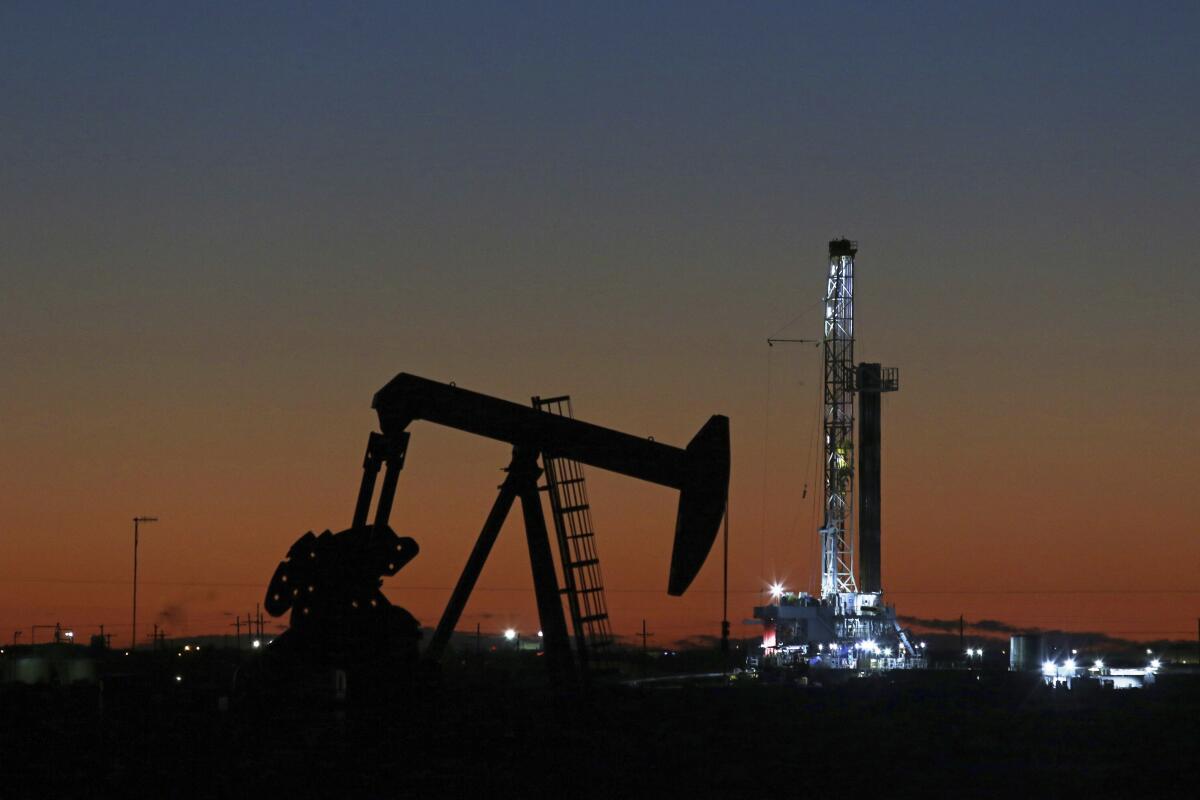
{"x":725,"y":587}
{"x":962,"y":640}
{"x":644,"y":636}
{"x":136,"y":522}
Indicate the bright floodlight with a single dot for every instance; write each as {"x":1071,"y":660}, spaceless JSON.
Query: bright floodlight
{"x":1154,"y":664}
{"x":256,"y":644}
{"x":540,"y":634}
{"x":1099,"y":664}
{"x":776,"y":590}
{"x":510,"y":634}
{"x":922,"y":645}
{"x":1049,"y":667}
{"x":1069,"y":663}
{"x":1148,"y":652}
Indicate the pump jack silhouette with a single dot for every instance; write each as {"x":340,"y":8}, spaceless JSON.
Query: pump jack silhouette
{"x":331,"y":582}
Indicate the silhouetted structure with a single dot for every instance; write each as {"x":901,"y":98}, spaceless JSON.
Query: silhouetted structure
{"x":330,"y":582}
{"x":872,"y":381}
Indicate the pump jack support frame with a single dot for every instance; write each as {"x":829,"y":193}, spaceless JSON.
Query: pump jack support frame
{"x":523,"y":473}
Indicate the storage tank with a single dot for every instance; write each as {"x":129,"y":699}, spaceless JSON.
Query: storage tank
{"x":1025,"y":652}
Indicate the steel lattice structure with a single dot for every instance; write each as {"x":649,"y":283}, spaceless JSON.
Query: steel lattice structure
{"x":837,"y":546}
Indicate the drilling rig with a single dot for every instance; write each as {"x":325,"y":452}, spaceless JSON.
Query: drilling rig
{"x":846,"y":624}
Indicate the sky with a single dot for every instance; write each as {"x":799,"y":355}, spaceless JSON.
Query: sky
{"x":226,"y":225}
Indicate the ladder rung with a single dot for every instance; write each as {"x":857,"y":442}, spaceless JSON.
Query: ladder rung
{"x":568,"y":481}
{"x":573,"y":509}
{"x":590,"y":590}
{"x":587,"y":562}
{"x":593,"y":618}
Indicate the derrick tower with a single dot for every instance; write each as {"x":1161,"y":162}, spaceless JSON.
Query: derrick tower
{"x":837,"y":546}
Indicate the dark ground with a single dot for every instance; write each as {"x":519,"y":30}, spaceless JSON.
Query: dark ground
{"x":936,"y":734}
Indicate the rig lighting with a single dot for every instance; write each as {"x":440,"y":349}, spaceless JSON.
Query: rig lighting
{"x":540,"y":634}
{"x":510,"y":634}
{"x":777,"y":591}
{"x":1155,"y":664}
{"x":256,"y":644}
{"x":1099,"y":664}
{"x":1049,"y":668}
{"x":1069,"y":663}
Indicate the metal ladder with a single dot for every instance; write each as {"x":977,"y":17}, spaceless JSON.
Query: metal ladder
{"x":583,"y":584}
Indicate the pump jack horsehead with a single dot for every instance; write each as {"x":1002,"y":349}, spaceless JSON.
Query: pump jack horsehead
{"x":331,"y":582}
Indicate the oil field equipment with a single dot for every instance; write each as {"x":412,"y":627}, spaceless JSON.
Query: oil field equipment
{"x":330,"y":583}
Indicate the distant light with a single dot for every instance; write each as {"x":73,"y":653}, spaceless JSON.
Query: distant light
{"x":979,"y":652}
{"x":1148,"y":651}
{"x":126,"y":652}
{"x":510,"y":634}
{"x":256,"y":644}
{"x":1155,"y":664}
{"x":776,"y":590}
{"x":1049,"y":668}
{"x":1069,"y":663}
{"x":970,"y":652}
{"x":178,"y":678}
{"x":922,"y":645}
{"x":69,"y":634}
{"x":539,"y":634}
{"x":1074,"y":652}
{"x":887,"y":651}
{"x":1099,"y":664}
{"x":187,"y":648}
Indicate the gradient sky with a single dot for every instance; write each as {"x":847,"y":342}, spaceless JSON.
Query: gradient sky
{"x":224,"y":226}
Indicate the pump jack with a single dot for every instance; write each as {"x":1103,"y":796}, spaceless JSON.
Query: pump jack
{"x":331,"y":582}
